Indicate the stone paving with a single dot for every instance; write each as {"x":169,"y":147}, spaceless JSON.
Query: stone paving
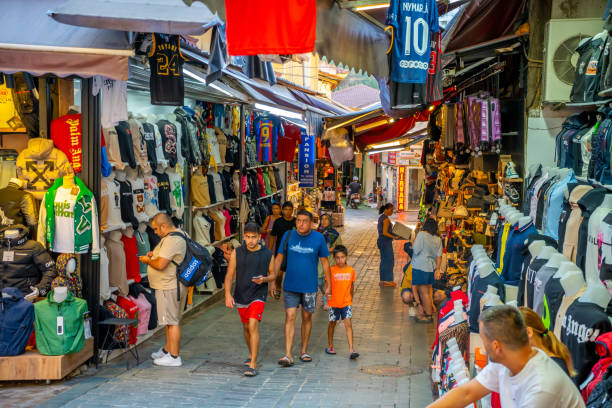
{"x":392,"y":370}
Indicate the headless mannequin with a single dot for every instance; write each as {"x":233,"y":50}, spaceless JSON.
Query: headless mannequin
{"x":120,"y":175}
{"x":142,"y":227}
{"x":129,"y":232}
{"x":476,"y":247}
{"x":522,"y":221}
{"x":491,"y":291}
{"x":591,"y":268}
{"x":485,"y":270}
{"x":536,"y":247}
{"x":572,"y":282}
{"x":565,"y":268}
{"x":151,"y":118}
{"x":458,"y":312}
{"x":596,"y":293}
{"x":555,"y":260}
{"x":131,"y":173}
{"x":563,"y":173}
{"x":68,"y":183}
{"x":493,"y":300}
{"x":60,"y":294}
{"x":71,"y":267}
{"x":546,"y":253}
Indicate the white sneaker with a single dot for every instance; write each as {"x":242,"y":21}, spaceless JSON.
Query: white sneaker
{"x":158,"y":354}
{"x":168,"y":361}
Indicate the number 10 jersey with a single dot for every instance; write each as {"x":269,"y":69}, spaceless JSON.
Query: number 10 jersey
{"x":412,"y":22}
{"x":166,"y":64}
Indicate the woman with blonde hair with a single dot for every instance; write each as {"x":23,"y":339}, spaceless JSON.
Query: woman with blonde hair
{"x":544,"y":339}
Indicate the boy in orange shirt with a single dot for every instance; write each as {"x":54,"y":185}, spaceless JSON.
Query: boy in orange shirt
{"x":341,"y":300}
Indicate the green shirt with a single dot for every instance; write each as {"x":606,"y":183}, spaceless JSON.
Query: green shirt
{"x":46,"y":313}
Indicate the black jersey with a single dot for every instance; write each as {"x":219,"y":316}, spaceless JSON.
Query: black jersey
{"x":166,"y":63}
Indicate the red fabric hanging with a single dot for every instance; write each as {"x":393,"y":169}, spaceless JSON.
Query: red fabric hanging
{"x":270,"y":26}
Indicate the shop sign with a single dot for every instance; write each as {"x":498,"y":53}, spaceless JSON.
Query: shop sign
{"x":401,"y":190}
{"x":358,"y":160}
{"x":307,"y":161}
{"x":392,"y":158}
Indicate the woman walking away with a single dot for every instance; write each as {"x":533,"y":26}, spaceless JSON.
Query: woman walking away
{"x":426,"y":260}
{"x":546,"y":340}
{"x":332,"y":237}
{"x":385,"y":245}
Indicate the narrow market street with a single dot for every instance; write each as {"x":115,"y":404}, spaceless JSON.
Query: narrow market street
{"x":392,"y":370}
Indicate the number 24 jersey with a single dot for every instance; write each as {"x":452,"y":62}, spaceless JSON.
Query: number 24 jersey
{"x":166,"y":63}
{"x":412,"y":21}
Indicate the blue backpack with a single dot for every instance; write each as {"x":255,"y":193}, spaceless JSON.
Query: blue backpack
{"x":196,"y":266}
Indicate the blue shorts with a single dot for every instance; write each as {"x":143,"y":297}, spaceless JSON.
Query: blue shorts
{"x":340,"y":313}
{"x":295,"y":299}
{"x":420,"y":277}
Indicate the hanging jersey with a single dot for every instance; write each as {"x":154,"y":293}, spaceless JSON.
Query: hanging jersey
{"x":267,"y":130}
{"x":166,"y":63}
{"x":434,"y":73}
{"x":412,"y":22}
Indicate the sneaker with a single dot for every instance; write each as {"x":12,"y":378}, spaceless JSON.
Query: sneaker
{"x":511,"y":171}
{"x":158,"y":354}
{"x":512,"y":193}
{"x":168,"y":361}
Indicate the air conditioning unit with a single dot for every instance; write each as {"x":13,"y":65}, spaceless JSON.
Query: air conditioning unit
{"x":560,"y":56}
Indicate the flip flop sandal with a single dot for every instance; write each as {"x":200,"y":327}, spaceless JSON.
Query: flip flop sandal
{"x":305,"y":358}
{"x":285,"y":362}
{"x":426,"y":320}
{"x":250,"y":372}
{"x":247,"y":362}
{"x":330,"y":350}
{"x":354,"y":355}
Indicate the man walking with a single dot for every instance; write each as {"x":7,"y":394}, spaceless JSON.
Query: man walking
{"x":162,"y":262}
{"x":304,"y":248}
{"x":253,"y":267}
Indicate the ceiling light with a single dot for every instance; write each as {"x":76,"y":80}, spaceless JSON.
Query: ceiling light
{"x":389,"y":144}
{"x":395,"y":149}
{"x":199,"y":78}
{"x":278,"y":111}
{"x":372,"y":125}
{"x":372,"y":7}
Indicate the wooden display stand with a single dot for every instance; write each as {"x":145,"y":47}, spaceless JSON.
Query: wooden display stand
{"x":34,"y":366}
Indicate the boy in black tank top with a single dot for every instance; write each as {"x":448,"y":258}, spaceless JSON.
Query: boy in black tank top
{"x":252,"y":266}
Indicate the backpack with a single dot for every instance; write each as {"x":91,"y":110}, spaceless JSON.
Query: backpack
{"x":601,"y":397}
{"x":196,"y":266}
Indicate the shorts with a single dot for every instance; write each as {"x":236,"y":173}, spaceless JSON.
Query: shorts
{"x":294,"y":299}
{"x":340,"y":313}
{"x":253,"y":311}
{"x":169,"y":309}
{"x":420,"y":277}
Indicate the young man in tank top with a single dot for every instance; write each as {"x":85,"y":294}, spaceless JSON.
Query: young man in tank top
{"x":253,"y":268}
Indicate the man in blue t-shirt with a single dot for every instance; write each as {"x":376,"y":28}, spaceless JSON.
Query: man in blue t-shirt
{"x":304,"y":249}
{"x":412,"y":22}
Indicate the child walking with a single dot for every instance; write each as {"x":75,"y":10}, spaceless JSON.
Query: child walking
{"x":252,"y":266}
{"x":341,"y":300}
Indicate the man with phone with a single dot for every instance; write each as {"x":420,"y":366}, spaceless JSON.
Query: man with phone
{"x":253,"y":267}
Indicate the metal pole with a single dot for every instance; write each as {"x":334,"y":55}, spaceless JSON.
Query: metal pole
{"x":92,"y":177}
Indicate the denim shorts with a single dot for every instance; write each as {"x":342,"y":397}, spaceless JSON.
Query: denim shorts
{"x":340,"y":313}
{"x":295,"y":299}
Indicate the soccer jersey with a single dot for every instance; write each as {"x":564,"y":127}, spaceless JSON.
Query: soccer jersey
{"x":412,"y":22}
{"x":267,"y":130}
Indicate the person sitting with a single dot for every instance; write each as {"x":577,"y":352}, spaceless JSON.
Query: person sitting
{"x":523,"y":376}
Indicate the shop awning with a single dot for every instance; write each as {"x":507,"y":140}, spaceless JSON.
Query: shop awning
{"x":316,"y":102}
{"x":31,"y":41}
{"x":145,"y":16}
{"x":393,"y":131}
{"x":343,"y":36}
{"x":484,"y":20}
{"x":333,"y":122}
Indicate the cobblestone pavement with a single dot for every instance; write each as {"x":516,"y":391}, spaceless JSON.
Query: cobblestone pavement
{"x":391,"y":372}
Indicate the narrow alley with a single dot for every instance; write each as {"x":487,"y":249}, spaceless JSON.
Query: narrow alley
{"x":391,"y":372}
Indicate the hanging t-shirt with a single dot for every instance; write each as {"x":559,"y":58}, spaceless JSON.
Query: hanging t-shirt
{"x":132,"y":267}
{"x":163,"y":194}
{"x":127,"y":203}
{"x":582,"y":324}
{"x":126,"y":144}
{"x":66,"y":136}
{"x":159,"y":148}
{"x":553,"y":296}
{"x":303,"y":253}
{"x":267,"y":130}
{"x":202,"y":230}
{"x":110,"y":205}
{"x":63,"y":241}
{"x":169,"y":137}
{"x":114,"y":100}
{"x":151,"y":195}
{"x":541,"y":383}
{"x":149,"y":139}
{"x":213,"y":147}
{"x":138,"y":192}
{"x":218,"y":186}
{"x":532,"y":270}
{"x":412,"y":22}
{"x":142,"y":243}
{"x":176,"y":193}
{"x":287,"y":144}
